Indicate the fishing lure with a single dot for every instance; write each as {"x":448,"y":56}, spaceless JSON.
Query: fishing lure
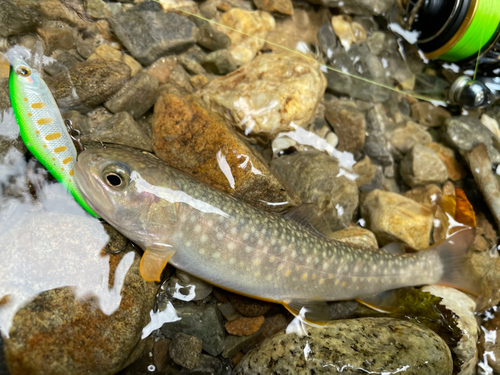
{"x":42,"y":128}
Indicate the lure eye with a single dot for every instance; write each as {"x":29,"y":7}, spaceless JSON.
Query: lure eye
{"x":23,"y":71}
{"x":116,"y":176}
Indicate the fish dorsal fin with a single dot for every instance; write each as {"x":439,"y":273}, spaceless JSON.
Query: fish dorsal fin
{"x":384,"y":302}
{"x":154,"y":260}
{"x":307,"y":216}
{"x":315,"y":311}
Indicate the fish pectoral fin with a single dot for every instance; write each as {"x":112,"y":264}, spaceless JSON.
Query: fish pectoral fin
{"x":307,"y":216}
{"x":384,"y":302}
{"x":315,"y":311}
{"x":153,"y":261}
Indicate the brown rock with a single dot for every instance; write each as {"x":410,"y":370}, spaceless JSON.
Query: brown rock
{"x":356,"y":236}
{"x":108,"y":53}
{"x":422,"y":166}
{"x":425,"y":195}
{"x":428,"y":114}
{"x":244,"y":326}
{"x":447,"y":156}
{"x":349,"y":124}
{"x":216,"y":155}
{"x":55,"y":10}
{"x":275,"y":6}
{"x":185,"y":350}
{"x":404,"y":138}
{"x":162,"y":67}
{"x":199,"y":81}
{"x":57,"y":35}
{"x":248,"y":306}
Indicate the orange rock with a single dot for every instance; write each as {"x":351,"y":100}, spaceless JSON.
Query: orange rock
{"x":162,"y":67}
{"x":244,"y":326}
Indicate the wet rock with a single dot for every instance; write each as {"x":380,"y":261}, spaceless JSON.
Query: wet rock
{"x":220,"y":62}
{"x":186,"y":285}
{"x":374,"y":345}
{"x":88,"y":84}
{"x":162,"y":68}
{"x":348,"y":31}
{"x":185,"y":350}
{"x":212,"y":39}
{"x":256,"y":23}
{"x":248,"y":306}
{"x":464,"y":133}
{"x":106,"y":52}
{"x":101,"y":9}
{"x":327,"y":39}
{"x":447,"y":156}
{"x":57,"y":35}
{"x":275,"y":6}
{"x":266,"y":95}
{"x":370,"y":176}
{"x":395,"y":218}
{"x":244,"y":326}
{"x":63,"y":61}
{"x":121,"y":129}
{"x":463,"y":306}
{"x":376,"y":145}
{"x":425,"y":195}
{"x":356,"y":236}
{"x":54,"y":10}
{"x":233,"y":344}
{"x":4,"y":94}
{"x":229,"y":312}
{"x":136,"y":96}
{"x":429,"y":115}
{"x":403,"y":139}
{"x":317,"y":178}
{"x":180,"y":79}
{"x":203,"y":322}
{"x":177,"y":121}
{"x":199,"y":81}
{"x":18,"y":18}
{"x":422,"y":166}
{"x":348,"y":123}
{"x":491,"y":124}
{"x":150,"y":35}
{"x":191,"y":65}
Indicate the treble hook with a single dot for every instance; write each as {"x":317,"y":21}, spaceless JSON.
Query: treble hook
{"x":75,"y":134}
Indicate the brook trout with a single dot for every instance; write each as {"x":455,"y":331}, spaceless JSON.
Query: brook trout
{"x":231,"y":244}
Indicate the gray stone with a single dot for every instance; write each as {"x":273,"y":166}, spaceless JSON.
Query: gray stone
{"x":190,"y":64}
{"x":233,"y":344}
{"x":229,"y":312}
{"x":204,"y":322}
{"x":315,"y":177}
{"x":180,"y":79}
{"x":368,"y":345}
{"x":136,"y":96}
{"x":150,"y":35}
{"x":422,"y":166}
{"x":219,"y":62}
{"x":209,"y":366}
{"x":376,"y":145}
{"x":185,"y":350}
{"x":101,"y":9}
{"x":348,"y":123}
{"x":404,"y":138}
{"x":327,"y":39}
{"x":212,"y":39}
{"x":464,"y":133}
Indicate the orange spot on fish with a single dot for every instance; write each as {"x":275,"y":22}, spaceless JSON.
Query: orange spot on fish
{"x":71,"y":172}
{"x":298,"y":268}
{"x":62,"y":169}
{"x":304,"y":277}
{"x":25,"y":99}
{"x":287,"y":273}
{"x":37,"y":132}
{"x":330,"y":275}
{"x":30,"y":114}
{"x":67,"y":160}
{"x":322,"y":281}
{"x":44,"y":146}
{"x":43,"y":121}
{"x":52,"y":136}
{"x":38,"y":105}
{"x":53,"y":159}
{"x":60,"y":149}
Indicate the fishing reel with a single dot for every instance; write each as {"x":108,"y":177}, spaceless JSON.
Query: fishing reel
{"x":464,"y":32}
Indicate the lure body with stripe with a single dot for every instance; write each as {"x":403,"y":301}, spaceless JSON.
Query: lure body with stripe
{"x":42,"y":127}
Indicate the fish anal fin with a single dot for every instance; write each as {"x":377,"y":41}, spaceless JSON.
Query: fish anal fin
{"x":314,"y":311}
{"x":154,"y":260}
{"x":386,"y":302}
{"x":307,"y":216}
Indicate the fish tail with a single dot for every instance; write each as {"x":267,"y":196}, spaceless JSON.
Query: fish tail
{"x":453,"y":254}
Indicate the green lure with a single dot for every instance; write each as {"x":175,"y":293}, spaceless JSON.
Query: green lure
{"x":42,"y":128}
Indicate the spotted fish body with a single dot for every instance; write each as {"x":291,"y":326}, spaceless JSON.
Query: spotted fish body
{"x":42,"y":128}
{"x":239,"y":247}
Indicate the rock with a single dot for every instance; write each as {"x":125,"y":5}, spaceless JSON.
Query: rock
{"x":275,"y":6}
{"x":136,"y":96}
{"x":464,"y":133}
{"x":162,"y":68}
{"x":54,"y":10}
{"x":18,"y":20}
{"x":185,"y":350}
{"x":376,"y":145}
{"x":63,"y":61}
{"x":266,"y":95}
{"x":491,"y":124}
{"x":151,"y":35}
{"x":191,"y":65}
{"x":422,"y":166}
{"x":212,"y":39}
{"x":227,"y":309}
{"x":356,"y":236}
{"x":429,"y":115}
{"x":60,"y":328}
{"x":425,"y":195}
{"x":4,"y":95}
{"x":220,"y":62}
{"x":121,"y":129}
{"x":57,"y":35}
{"x":185,"y":285}
{"x":348,"y":31}
{"x":101,"y":9}
{"x":327,"y":39}
{"x":348,"y":123}
{"x":375,"y":345}
{"x":463,"y":306}
{"x":233,"y":344}
{"x":394,"y":218}
{"x":317,"y":178}
{"x":404,"y":138}
{"x":248,"y":306}
{"x":258,"y":23}
{"x":238,"y":170}
{"x":199,"y":81}
{"x":106,"y":52}
{"x":244,"y":326}
{"x":203,"y":322}
{"x":447,"y":156}
{"x":370,"y":176}
{"x":180,"y":79}
{"x":88,"y":84}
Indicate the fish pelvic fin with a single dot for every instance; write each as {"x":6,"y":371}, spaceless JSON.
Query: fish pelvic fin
{"x":153,"y":261}
{"x":314,"y":311}
{"x":457,"y":269}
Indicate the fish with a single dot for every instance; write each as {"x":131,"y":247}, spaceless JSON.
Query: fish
{"x":41,"y":125}
{"x":231,"y":244}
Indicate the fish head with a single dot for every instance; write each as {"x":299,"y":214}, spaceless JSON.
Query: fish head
{"x":122,"y":187}
{"x":22,"y":74}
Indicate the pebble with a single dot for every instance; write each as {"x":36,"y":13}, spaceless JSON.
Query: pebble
{"x":317,"y":178}
{"x":348,"y":123}
{"x":371,"y":345}
{"x":356,"y":236}
{"x":17,"y":20}
{"x":185,"y":350}
{"x":404,"y":138}
{"x":63,"y":61}
{"x":52,"y":10}
{"x":425,"y":195}
{"x":348,"y":31}
{"x":422,"y":166}
{"x":219,"y":62}
{"x":256,"y":23}
{"x":244,"y":326}
{"x":57,"y":35}
{"x":151,"y":35}
{"x":162,"y":68}
{"x":395,"y":218}
{"x":180,"y":79}
{"x":199,"y":81}
{"x":455,"y":170}
{"x":101,"y":9}
{"x":327,"y":40}
{"x":370,"y":176}
{"x":266,"y":95}
{"x":229,"y":312}
{"x":177,"y":121}
{"x":376,"y":145}
{"x":233,"y":344}
{"x":106,"y":52}
{"x":429,"y":115}
{"x":248,"y":306}
{"x":93,"y":82}
{"x":212,"y":39}
{"x":491,"y":124}
{"x":190,"y":64}
{"x":136,"y":97}
{"x":204,"y":322}
{"x":275,"y":6}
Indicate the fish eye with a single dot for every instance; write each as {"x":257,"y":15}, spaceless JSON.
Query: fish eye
{"x":23,"y":71}
{"x":116,"y":176}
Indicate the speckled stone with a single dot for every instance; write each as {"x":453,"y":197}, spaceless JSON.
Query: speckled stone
{"x":185,"y":350}
{"x":368,"y":345}
{"x":244,"y":326}
{"x":106,"y":52}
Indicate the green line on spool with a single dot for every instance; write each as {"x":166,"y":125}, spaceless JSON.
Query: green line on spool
{"x":481,"y":30}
